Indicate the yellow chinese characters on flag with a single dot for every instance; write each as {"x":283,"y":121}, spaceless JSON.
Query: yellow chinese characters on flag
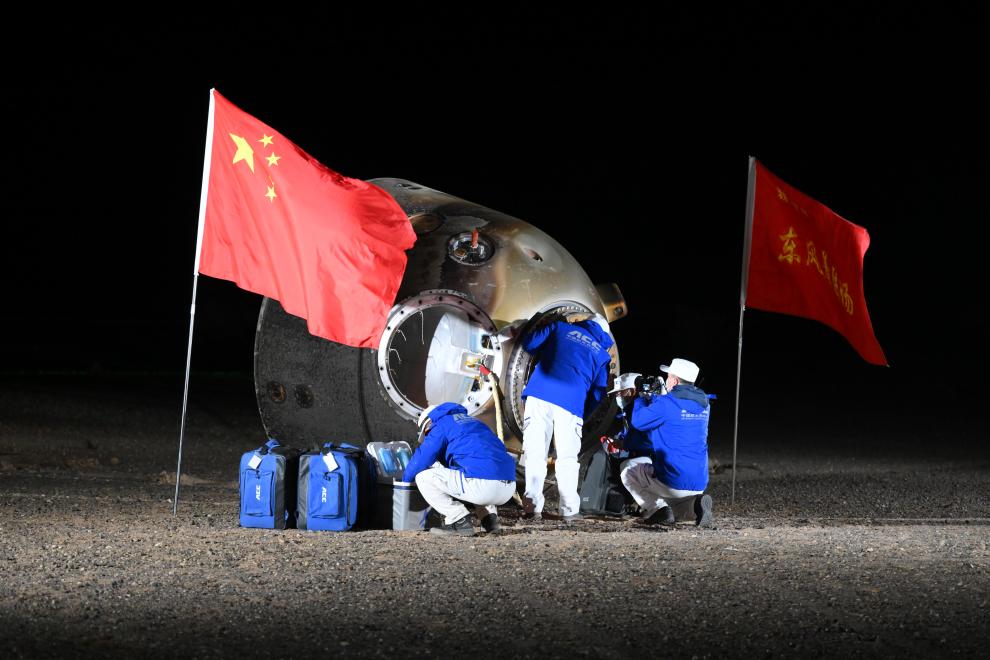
{"x":805,"y":260}
{"x":329,"y":248}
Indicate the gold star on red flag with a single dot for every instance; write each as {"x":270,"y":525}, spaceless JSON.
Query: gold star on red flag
{"x":244,"y":151}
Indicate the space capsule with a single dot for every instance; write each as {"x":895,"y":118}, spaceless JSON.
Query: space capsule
{"x":473,"y":274}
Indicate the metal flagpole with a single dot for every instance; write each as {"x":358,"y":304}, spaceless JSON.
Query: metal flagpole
{"x":192,"y":306}
{"x":747,"y":244}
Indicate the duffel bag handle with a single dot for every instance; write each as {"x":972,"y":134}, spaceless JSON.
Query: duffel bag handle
{"x":265,"y":448}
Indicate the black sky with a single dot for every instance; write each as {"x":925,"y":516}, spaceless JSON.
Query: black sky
{"x":623,"y":134}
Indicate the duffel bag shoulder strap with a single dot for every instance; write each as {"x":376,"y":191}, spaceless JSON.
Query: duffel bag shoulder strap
{"x":349,"y":450}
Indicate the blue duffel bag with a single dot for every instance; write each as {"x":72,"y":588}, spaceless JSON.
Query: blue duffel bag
{"x":268,"y":481}
{"x":331,"y":489}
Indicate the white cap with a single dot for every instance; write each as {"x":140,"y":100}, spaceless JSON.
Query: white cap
{"x":683,"y":369}
{"x":602,"y":323}
{"x":423,"y":416}
{"x":624,"y":382}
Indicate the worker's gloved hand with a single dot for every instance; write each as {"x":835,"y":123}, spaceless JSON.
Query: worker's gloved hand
{"x":610,"y":445}
{"x":510,"y":331}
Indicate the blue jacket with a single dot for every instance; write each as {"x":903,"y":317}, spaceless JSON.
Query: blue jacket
{"x":463,"y":443}
{"x":637,"y":443}
{"x":677,"y":425}
{"x":572,"y":365}
{"x":634,"y":442}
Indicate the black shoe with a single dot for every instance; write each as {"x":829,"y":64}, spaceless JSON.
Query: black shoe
{"x":703,"y":511}
{"x":491,"y":523}
{"x":574,"y":517}
{"x":460,"y":527}
{"x":664,"y":516}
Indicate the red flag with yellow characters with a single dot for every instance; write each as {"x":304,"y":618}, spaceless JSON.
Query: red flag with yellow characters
{"x":329,"y":248}
{"x":805,"y":260}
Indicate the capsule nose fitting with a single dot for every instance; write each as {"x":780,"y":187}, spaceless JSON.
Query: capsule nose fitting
{"x":470,"y":248}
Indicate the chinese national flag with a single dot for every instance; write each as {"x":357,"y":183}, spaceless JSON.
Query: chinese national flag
{"x":807,"y":261}
{"x":329,"y":248}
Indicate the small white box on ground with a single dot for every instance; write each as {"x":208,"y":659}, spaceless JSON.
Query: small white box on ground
{"x":409,"y":509}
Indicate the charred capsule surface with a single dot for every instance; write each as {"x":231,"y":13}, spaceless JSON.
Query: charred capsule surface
{"x":472,"y":273}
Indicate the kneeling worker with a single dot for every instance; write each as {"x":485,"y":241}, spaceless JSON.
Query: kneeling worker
{"x":460,"y":458}
{"x":670,"y":483}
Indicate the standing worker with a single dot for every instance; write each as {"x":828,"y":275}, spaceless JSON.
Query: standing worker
{"x":460,"y":458}
{"x":570,"y":379}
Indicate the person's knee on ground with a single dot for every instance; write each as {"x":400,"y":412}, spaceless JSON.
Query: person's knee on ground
{"x":683,"y":508}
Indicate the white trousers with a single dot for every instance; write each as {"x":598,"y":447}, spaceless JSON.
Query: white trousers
{"x":439,"y":486}
{"x":651,"y":493}
{"x":543,"y":420}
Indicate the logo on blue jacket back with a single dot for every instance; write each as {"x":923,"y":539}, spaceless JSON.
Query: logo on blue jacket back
{"x":583,"y":339}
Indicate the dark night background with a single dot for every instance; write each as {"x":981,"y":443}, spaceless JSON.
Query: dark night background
{"x":624,"y":134}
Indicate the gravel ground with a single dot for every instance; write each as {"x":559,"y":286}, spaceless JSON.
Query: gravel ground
{"x":834,"y":547}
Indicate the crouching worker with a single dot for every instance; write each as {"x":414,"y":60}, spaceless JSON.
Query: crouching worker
{"x":459,"y":459}
{"x":670,"y":483}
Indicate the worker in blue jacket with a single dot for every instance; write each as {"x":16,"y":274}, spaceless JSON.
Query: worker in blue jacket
{"x":460,"y":458}
{"x":670,"y":483}
{"x":627,"y":441}
{"x":570,"y":379}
